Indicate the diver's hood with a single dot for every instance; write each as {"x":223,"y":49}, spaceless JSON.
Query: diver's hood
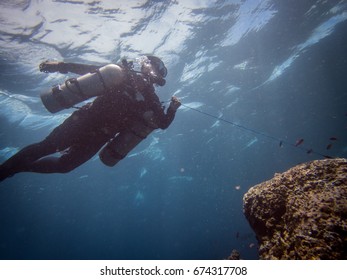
{"x":155,"y":68}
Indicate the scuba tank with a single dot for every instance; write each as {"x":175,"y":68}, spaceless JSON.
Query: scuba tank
{"x":76,"y":90}
{"x":128,"y":139}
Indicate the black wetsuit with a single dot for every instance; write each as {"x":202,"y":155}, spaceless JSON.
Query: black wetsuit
{"x":89,"y":128}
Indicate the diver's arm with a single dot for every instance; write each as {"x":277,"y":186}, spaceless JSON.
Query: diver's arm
{"x":62,"y":67}
{"x":164,"y":120}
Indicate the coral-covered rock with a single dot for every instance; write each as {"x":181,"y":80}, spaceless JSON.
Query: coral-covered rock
{"x":235,"y":255}
{"x":301,"y":213}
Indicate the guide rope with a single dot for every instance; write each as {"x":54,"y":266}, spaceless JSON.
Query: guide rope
{"x":280,"y":141}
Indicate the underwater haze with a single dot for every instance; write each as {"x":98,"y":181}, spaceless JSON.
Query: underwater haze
{"x":254,"y":76}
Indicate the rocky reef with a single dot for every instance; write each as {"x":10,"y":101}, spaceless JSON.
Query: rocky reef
{"x":301,"y":213}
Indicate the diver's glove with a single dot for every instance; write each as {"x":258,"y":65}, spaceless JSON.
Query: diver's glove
{"x":53,"y":66}
{"x":175,"y":103}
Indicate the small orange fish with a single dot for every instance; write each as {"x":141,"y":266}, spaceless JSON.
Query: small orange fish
{"x":299,"y":142}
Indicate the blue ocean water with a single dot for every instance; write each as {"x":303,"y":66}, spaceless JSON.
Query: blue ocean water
{"x":259,"y":72}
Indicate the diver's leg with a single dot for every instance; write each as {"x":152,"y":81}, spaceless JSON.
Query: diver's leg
{"x":24,"y":158}
{"x":70,"y":132}
{"x":61,"y":138}
{"x":72,"y":158}
{"x":56,"y":141}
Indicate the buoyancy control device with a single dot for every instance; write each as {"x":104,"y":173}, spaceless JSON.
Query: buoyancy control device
{"x":76,"y":90}
{"x":125,"y":141}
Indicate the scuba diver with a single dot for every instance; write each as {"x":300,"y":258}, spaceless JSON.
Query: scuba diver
{"x":126,"y":109}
